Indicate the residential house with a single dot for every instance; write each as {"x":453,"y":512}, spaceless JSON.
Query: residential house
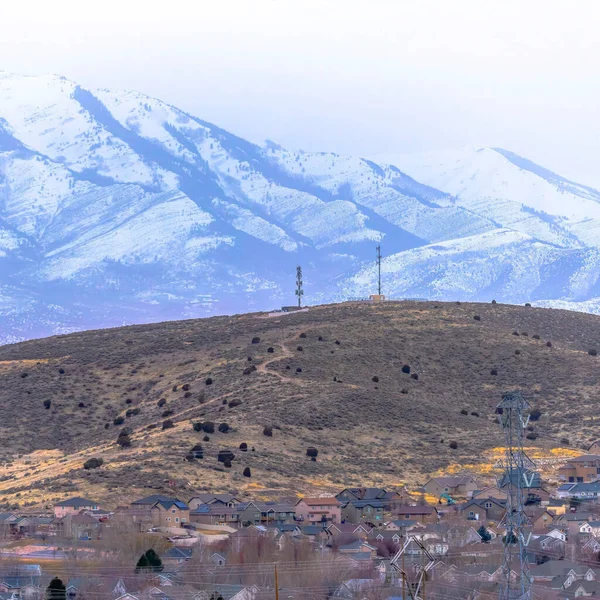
{"x":423,"y":514}
{"x":7,"y":524}
{"x":403,"y":525}
{"x":149,"y":501}
{"x":319,"y":510}
{"x":591,"y":547}
{"x":176,"y":555}
{"x":541,"y":520}
{"x":216,"y":514}
{"x":490,"y":492}
{"x":557,"y":506}
{"x":531,"y":482}
{"x":358,"y":546}
{"x":228,"y":592}
{"x":24,"y":584}
{"x":264,"y":513}
{"x":363,"y":493}
{"x":384,"y":535}
{"x":356,"y":530}
{"x":594,"y":448}
{"x":170,"y":513}
{"x":460,"y":486}
{"x":79,"y":527}
{"x":128,"y":519}
{"x":364,"y":511}
{"x":583,"y":491}
{"x":218,"y":559}
{"x":484,"y":509}
{"x":73,"y":506}
{"x":228,"y":500}
{"x":580,"y":469}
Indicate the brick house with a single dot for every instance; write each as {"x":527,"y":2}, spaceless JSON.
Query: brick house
{"x":72,"y":506}
{"x":228,"y":500}
{"x":319,"y":510}
{"x":459,"y":486}
{"x":580,"y":469}
{"x":422,"y":514}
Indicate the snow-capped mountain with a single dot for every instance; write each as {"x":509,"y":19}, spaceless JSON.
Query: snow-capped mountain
{"x":118,"y":208}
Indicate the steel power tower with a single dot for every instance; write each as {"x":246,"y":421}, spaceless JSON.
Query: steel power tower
{"x":379,"y":269}
{"x":299,"y":290}
{"x":516,"y":582}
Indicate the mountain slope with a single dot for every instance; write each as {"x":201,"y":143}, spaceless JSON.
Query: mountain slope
{"x":118,"y":208}
{"x":330,"y":378}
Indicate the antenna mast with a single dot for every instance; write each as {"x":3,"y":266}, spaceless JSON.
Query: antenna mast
{"x":378,"y":269}
{"x":516,"y":582}
{"x":299,"y":290}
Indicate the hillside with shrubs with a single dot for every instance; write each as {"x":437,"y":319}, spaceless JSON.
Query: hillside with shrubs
{"x":346,"y":394}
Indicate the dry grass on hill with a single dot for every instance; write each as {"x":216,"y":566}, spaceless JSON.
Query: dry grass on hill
{"x":330,"y":378}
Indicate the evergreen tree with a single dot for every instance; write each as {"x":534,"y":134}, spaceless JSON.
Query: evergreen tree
{"x":149,"y":561}
{"x":56,"y":590}
{"x":484,"y":534}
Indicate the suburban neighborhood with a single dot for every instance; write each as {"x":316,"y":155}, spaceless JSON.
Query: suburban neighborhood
{"x":450,"y":532}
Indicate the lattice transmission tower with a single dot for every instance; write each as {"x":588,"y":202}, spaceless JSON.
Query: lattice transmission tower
{"x":299,"y":288}
{"x":513,"y":414}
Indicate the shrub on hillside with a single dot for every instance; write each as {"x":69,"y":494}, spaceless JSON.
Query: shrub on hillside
{"x":299,"y":348}
{"x":185,"y":387}
{"x":406,"y":369}
{"x":47,"y":404}
{"x":249,"y":370}
{"x":224,"y":427}
{"x":375,"y":379}
{"x":270,"y":350}
{"x":244,"y":447}
{"x":119,"y":420}
{"x":477,"y":318}
{"x":225,"y":455}
{"x":93,"y":463}
{"x":268,"y":431}
{"x":535,"y":414}
{"x":161,"y":402}
{"x":414,"y":376}
{"x":494,"y":372}
{"x":247,"y":472}
{"x":593,"y":352}
{"x":208,"y":381}
{"x":208,"y":427}
{"x":453,"y":445}
{"x":168,"y":424}
{"x":464,"y":412}
{"x":312,"y":452}
{"x":298,"y":370}
{"x":532,"y":435}
{"x":565,"y":441}
{"x":302,"y":335}
{"x":549,"y":344}
{"x":256,"y":340}
{"x":166,"y":413}
{"x":234,"y":403}
{"x":124,"y":440}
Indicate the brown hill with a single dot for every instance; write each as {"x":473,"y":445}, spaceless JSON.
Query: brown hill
{"x":330,"y":378}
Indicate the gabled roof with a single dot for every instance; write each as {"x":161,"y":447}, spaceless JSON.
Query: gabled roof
{"x":76,"y":502}
{"x":364,"y":503}
{"x":172,"y":502}
{"x":404,"y":522}
{"x":583,"y":458}
{"x":329,"y":501}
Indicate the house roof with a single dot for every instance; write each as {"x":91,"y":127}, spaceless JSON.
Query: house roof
{"x":366,"y":493}
{"x":360,"y":556}
{"x":76,"y":502}
{"x":364,"y":503}
{"x":416,"y":510}
{"x":210,"y":498}
{"x":348,"y":527}
{"x":329,"y":501}
{"x":310,"y":529}
{"x":177,"y":552}
{"x":172,"y":502}
{"x":5,"y":517}
{"x":583,"y":458}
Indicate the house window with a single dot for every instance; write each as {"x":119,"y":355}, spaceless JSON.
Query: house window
{"x":488,"y":505}
{"x":173,"y":511}
{"x":176,"y":519}
{"x":580,"y":480}
{"x":571,"y":479}
{"x":169,"y":519}
{"x":407,"y":516}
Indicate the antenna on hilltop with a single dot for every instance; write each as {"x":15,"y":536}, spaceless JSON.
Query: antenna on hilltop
{"x":299,"y":290}
{"x":378,"y":269}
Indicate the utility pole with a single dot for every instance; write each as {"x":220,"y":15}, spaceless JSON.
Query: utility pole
{"x":276,"y":585}
{"x":299,"y":290}
{"x":378,"y":269}
{"x":511,"y":414}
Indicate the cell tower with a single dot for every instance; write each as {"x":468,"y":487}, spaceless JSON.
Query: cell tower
{"x":379,"y":269}
{"x":516,"y":582}
{"x":299,"y":290}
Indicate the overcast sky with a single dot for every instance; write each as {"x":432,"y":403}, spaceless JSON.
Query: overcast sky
{"x":360,"y":77}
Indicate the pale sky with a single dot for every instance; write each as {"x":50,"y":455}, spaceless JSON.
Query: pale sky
{"x":360,"y":78}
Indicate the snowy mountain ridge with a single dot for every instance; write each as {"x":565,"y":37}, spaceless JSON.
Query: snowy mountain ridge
{"x":118,"y":208}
